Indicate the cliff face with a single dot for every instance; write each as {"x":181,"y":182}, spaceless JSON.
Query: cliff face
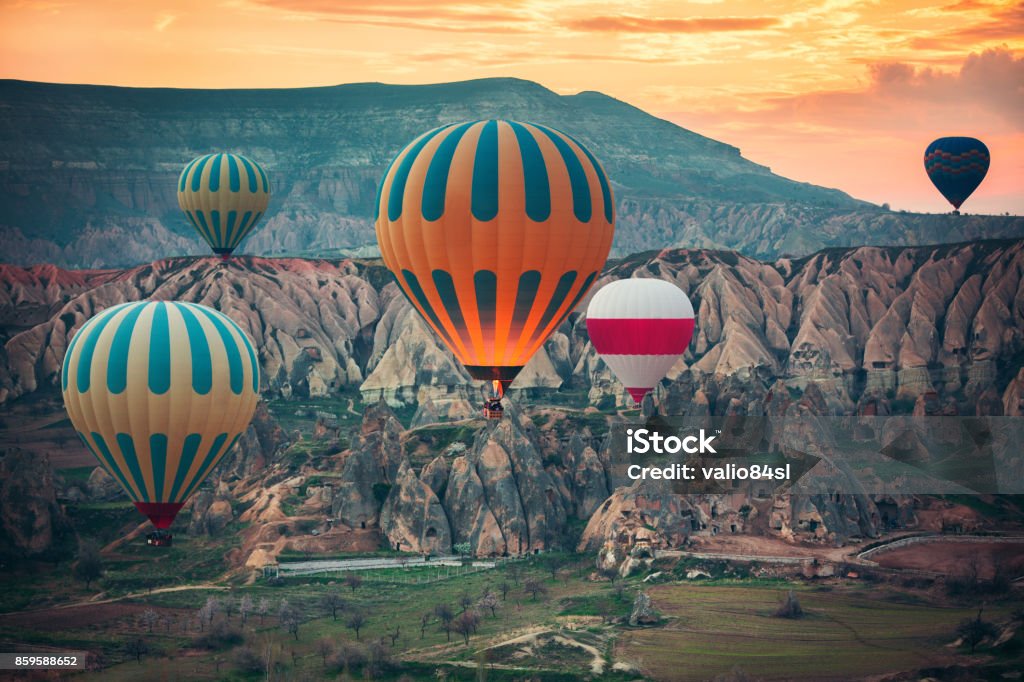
{"x":845,"y":331}
{"x":862,"y":324}
{"x":94,"y":186}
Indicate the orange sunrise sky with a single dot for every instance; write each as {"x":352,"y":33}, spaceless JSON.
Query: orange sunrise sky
{"x":838,"y":93}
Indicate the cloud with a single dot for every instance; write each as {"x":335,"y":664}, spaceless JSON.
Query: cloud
{"x":163,"y":21}
{"x":1001,"y":22}
{"x":623,"y":23}
{"x":481,"y":16}
{"x":988,"y":88}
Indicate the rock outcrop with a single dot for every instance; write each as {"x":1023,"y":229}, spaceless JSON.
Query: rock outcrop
{"x":892,"y":322}
{"x":32,"y":523}
{"x":412,"y":517}
{"x":369,"y":469}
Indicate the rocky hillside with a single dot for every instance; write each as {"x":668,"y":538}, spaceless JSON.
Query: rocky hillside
{"x":87,"y":173}
{"x":862,"y":323}
{"x":929,"y":330}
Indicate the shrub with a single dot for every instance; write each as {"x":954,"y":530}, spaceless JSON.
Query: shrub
{"x":790,"y":607}
{"x":220,"y":636}
{"x":248,"y":661}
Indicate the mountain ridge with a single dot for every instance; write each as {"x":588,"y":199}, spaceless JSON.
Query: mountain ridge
{"x":88,"y":173}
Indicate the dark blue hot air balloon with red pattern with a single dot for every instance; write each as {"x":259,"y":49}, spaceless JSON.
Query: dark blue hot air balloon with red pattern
{"x":956,"y":166}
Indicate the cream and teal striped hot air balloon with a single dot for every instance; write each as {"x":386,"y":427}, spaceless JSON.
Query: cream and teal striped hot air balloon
{"x":223,"y":196}
{"x":159,"y":391}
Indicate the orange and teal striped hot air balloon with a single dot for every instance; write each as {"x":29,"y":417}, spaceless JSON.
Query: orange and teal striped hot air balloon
{"x":159,"y":392}
{"x":223,"y":196}
{"x":495,"y":230}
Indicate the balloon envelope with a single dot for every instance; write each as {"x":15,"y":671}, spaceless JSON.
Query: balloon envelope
{"x":494,"y":230}
{"x":640,"y":327}
{"x":223,"y":196}
{"x":159,"y":392}
{"x":956,"y":166}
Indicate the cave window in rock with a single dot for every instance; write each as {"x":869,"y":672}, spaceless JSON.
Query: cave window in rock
{"x":431,"y":532}
{"x":879,"y":364}
{"x":732,"y":527}
{"x":694,"y":524}
{"x":890,"y":514}
{"x":714,"y":511}
{"x":362,"y":524}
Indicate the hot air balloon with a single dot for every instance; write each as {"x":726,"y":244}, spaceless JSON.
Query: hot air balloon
{"x":956,"y":166}
{"x":640,"y":327}
{"x":159,"y":391}
{"x":223,"y":196}
{"x":494,"y":230}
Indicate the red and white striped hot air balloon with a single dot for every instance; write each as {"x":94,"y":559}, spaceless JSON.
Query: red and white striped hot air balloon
{"x":640,"y":327}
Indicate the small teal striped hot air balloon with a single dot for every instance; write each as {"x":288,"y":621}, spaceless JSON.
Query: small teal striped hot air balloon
{"x":159,"y":392}
{"x":223,"y":196}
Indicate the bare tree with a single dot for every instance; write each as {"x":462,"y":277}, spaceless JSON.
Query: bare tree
{"x":150,"y":618}
{"x":504,"y":587}
{"x":465,"y":601}
{"x":395,"y":635}
{"x":514,"y":573}
{"x":288,"y":618}
{"x":553,"y":563}
{"x":378,"y":658}
{"x":89,"y":566}
{"x":347,"y":656}
{"x":466,"y":624}
{"x":324,"y":647}
{"x":535,"y":588}
{"x":228,"y":606}
{"x":333,"y":602}
{"x":619,"y":588}
{"x":353,"y":581}
{"x":973,"y":631}
{"x":445,"y":615}
{"x":207,"y":612}
{"x":136,"y":647}
{"x":606,"y":611}
{"x":356,"y":621}
{"x":489,"y":602}
{"x":263,"y":608}
{"x":245,"y":607}
{"x":424,"y":622}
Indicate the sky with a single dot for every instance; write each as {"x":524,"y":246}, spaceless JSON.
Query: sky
{"x":835,"y":92}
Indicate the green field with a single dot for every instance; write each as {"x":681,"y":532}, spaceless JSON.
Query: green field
{"x":846,"y":633}
{"x":709,"y":628}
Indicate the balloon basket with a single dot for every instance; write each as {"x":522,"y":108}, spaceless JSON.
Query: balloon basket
{"x":159,"y":538}
{"x":492,"y":403}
